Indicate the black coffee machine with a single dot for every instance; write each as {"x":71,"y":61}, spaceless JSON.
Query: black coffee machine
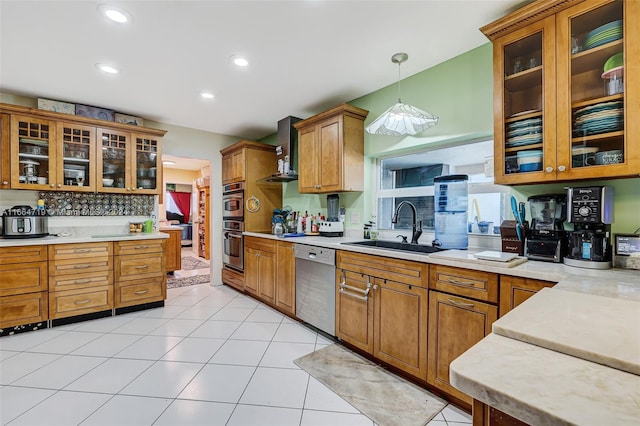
{"x":547,"y":239}
{"x":591,"y":212}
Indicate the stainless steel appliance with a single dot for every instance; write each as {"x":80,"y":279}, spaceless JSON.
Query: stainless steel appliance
{"x":315,"y":286}
{"x":547,"y":239}
{"x":233,"y":201}
{"x":25,"y":222}
{"x":591,"y":212}
{"x":233,"y":244}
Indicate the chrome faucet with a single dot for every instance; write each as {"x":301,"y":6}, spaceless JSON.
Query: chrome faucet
{"x":417,"y":226}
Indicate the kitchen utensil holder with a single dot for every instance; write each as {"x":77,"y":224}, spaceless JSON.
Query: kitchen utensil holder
{"x":509,"y":235}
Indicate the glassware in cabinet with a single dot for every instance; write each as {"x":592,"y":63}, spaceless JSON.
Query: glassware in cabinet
{"x":113,"y":162}
{"x":33,"y":151}
{"x":147,"y":151}
{"x":76,"y":170}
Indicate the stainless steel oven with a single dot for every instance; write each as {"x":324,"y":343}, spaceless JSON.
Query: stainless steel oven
{"x":233,"y":201}
{"x":233,"y":247}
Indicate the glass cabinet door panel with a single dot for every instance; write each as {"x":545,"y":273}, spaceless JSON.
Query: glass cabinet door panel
{"x":77,"y":161}
{"x":147,"y":159}
{"x":596,"y":73}
{"x":114,"y":153}
{"x":32,"y":144}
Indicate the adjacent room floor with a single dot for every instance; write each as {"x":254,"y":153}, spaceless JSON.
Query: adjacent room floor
{"x":211,"y":356}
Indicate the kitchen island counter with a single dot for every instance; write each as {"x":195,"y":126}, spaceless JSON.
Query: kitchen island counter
{"x":102,"y":236}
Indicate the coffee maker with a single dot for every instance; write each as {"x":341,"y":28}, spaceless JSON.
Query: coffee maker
{"x":591,"y":212}
{"x":547,"y":239}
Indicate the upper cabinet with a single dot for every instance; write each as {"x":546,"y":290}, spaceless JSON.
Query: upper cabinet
{"x":53,"y":151}
{"x":566,"y":86}
{"x":5,"y":158}
{"x":331,"y":151}
{"x":233,"y":166}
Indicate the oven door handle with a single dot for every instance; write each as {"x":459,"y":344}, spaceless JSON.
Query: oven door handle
{"x":232,"y":235}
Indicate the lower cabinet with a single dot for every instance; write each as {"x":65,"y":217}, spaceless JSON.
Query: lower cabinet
{"x":285,"y":277}
{"x":140,"y":272}
{"x":233,"y":278}
{"x":381,"y":308}
{"x":173,"y":254}
{"x":260,"y":268}
{"x":515,"y":290}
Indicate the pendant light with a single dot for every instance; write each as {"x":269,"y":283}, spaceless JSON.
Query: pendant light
{"x":401,"y":119}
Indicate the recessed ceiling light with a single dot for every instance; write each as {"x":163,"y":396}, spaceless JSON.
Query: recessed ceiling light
{"x":240,"y":61}
{"x":109,"y":69}
{"x":168,"y":162}
{"x":114,"y":13}
{"x":207,"y":95}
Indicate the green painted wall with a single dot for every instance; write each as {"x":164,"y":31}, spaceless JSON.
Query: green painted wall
{"x":460,"y":92}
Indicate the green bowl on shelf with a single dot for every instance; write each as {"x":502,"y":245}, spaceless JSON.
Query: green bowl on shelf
{"x":615,"y":61}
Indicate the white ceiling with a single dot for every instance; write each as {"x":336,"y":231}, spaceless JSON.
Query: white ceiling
{"x":306,"y":55}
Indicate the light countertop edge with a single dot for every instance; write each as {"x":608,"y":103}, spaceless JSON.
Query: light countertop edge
{"x":16,"y":242}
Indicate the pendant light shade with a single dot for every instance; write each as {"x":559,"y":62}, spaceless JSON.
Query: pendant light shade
{"x":401,"y":119}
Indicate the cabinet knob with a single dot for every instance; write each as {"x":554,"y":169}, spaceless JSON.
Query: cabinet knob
{"x":59,"y":185}
{"x":548,"y":169}
{"x":561,"y":168}
{"x":52,"y":185}
{"x":4,"y":182}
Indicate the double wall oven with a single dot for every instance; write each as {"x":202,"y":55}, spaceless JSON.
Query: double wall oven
{"x":233,"y":225}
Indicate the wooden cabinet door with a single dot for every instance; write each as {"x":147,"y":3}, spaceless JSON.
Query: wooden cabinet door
{"x":455,"y":324}
{"x":330,"y":154}
{"x":251,"y":270}
{"x":354,"y":309}
{"x":174,"y":249}
{"x":400,"y":331}
{"x":33,"y":140}
{"x":146,"y":156}
{"x":515,"y":290}
{"x":76,"y":168}
{"x":5,"y":158}
{"x":308,"y":159}
{"x":286,"y":277}
{"x":267,"y":276}
{"x":115,"y":172}
{"x":233,"y":167}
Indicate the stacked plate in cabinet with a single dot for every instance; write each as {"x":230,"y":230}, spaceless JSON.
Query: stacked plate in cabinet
{"x":604,"y":34}
{"x":524,"y":132}
{"x":598,"y":118}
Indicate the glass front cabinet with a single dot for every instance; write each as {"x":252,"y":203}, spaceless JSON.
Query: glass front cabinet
{"x":566,"y":95}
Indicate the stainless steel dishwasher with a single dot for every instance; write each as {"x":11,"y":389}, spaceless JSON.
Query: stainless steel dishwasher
{"x":316,"y":287}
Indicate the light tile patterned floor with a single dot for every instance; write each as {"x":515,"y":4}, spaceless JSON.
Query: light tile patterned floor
{"x":211,"y":356}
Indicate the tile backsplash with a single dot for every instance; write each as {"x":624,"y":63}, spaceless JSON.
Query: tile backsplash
{"x":90,"y":204}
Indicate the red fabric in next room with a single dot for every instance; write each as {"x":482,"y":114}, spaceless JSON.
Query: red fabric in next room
{"x":183,"y":201}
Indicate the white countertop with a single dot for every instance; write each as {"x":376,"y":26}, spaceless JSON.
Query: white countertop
{"x":97,"y":237}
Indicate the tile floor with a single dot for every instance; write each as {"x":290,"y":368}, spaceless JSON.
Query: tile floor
{"x":210,"y":356}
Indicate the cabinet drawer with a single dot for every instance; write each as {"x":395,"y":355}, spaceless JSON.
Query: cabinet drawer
{"x":411,"y":273}
{"x":233,"y":278}
{"x":138,"y":247}
{"x":20,"y":278}
{"x":23,"y":309}
{"x":80,"y":266}
{"x":78,"y":281}
{"x":141,"y":291}
{"x":80,"y":250}
{"x":260,"y":244}
{"x":77,"y":302}
{"x":465,"y":282}
{"x":139,"y":266}
{"x":22,"y":254}
{"x":515,"y":290}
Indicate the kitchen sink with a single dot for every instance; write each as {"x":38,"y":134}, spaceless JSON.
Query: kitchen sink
{"x":394,"y":245}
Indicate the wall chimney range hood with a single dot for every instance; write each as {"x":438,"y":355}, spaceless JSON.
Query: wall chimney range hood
{"x":287,"y":145}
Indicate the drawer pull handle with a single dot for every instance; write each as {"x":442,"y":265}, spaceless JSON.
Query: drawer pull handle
{"x":141,"y":247}
{"x":452,"y":281}
{"x":87,"y":280}
{"x":455,"y":302}
{"x":343,"y":291}
{"x":82,"y":250}
{"x":82,"y":302}
{"x":82,"y":266}
{"x":142,"y":266}
{"x":141,"y":292}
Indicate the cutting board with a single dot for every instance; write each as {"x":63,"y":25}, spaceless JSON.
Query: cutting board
{"x":463,"y":255}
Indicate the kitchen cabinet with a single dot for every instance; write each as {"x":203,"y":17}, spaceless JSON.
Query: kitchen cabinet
{"x":23,"y":285}
{"x":129,"y":162}
{"x":173,"y":254}
{"x":233,"y":278}
{"x":139,"y":272}
{"x":462,"y":307}
{"x":552,"y":99}
{"x":5,"y":158}
{"x":260,"y":268}
{"x":515,"y":290}
{"x":331,"y":151}
{"x":204,"y":235}
{"x":381,"y":308}
{"x":251,"y":163}
{"x":55,"y":151}
{"x":285,"y":278}
{"x":80,"y":279}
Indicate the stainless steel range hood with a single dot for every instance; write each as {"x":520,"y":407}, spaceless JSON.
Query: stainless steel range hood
{"x":287,"y":145}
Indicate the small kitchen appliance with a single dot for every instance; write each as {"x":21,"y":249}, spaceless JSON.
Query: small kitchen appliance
{"x":547,"y":239}
{"x":332,"y":227}
{"x":25,"y":222}
{"x":591,"y":212}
